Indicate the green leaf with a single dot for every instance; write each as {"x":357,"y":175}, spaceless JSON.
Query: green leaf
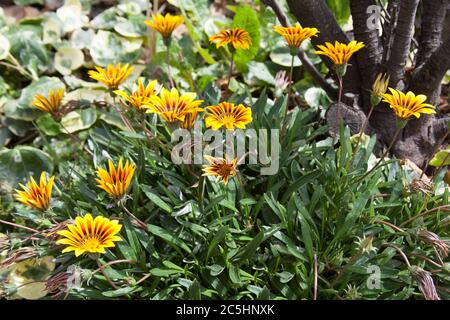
{"x":218,"y":237}
{"x":285,"y":276}
{"x":340,"y":9}
{"x":246,"y":18}
{"x":259,"y":71}
{"x":156,"y":199}
{"x":194,"y":290}
{"x":51,"y":31}
{"x":228,"y":204}
{"x":27,"y":48}
{"x":440,"y":159}
{"x":169,"y":237}
{"x":306,"y":236}
{"x":164,"y":273}
{"x":112,"y":48}
{"x":68,"y":59}
{"x":48,"y":125}
{"x":249,"y":249}
{"x":283,"y":57}
{"x":352,"y":216}
{"x":79,"y":120}
{"x":121,"y":292}
{"x":234,"y":273}
{"x":4,"y":47}
{"x":303,"y":180}
{"x":216,"y":269}
{"x":18,"y":164}
{"x":134,"y":27}
{"x":28,"y":2}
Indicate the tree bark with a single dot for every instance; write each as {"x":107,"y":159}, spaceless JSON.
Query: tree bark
{"x":417,"y":141}
{"x":402,"y":40}
{"x":316,"y":14}
{"x":433,"y":16}
{"x":426,"y":79}
{"x":370,"y":57}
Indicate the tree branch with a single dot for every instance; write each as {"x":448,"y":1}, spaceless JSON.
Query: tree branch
{"x":278,"y":12}
{"x":440,"y":128}
{"x":307,"y":64}
{"x":426,"y":79}
{"x":315,"y":13}
{"x":388,"y":31}
{"x":369,"y":58}
{"x":433,"y":16}
{"x":402,"y":40}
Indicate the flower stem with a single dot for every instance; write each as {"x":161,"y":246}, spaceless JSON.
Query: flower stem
{"x":339,"y":101}
{"x":121,"y":114}
{"x":394,"y":139}
{"x":230,"y":72}
{"x":291,"y":72}
{"x":169,"y":71}
{"x":105,"y":275}
{"x":16,"y":65}
{"x":289,"y":91}
{"x":141,"y":223}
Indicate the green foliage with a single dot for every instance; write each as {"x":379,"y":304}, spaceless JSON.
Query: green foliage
{"x":18,"y":164}
{"x":440,"y":159}
{"x":340,"y":9}
{"x":186,"y":236}
{"x":247,"y":19}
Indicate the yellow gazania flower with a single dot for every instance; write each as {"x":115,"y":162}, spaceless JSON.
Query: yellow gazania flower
{"x":339,"y":53}
{"x":90,"y":235}
{"x":164,"y":24}
{"x":139,"y":98}
{"x":381,"y":84}
{"x":295,"y":35}
{"x":228,"y":115}
{"x":113,"y":76}
{"x":117,"y":180}
{"x":379,"y":87}
{"x":189,"y":120}
{"x":407,"y":105}
{"x":34,"y":195}
{"x":238,"y":37}
{"x":171,"y":106}
{"x":220,"y":168}
{"x":51,"y":104}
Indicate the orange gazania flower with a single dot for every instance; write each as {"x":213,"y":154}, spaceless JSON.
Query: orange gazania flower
{"x":339,"y":53}
{"x":189,"y":120}
{"x":140,"y":97}
{"x":295,"y":35}
{"x":113,"y":76}
{"x":164,"y":24}
{"x":90,"y":235}
{"x":228,"y":115}
{"x":407,"y":105}
{"x":172,"y":106}
{"x":238,"y":37}
{"x":51,"y":104}
{"x":117,"y":180}
{"x":220,"y":168}
{"x":36,"y":195}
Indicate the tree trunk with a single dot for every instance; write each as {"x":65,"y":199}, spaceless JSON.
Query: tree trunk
{"x":418,"y":140}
